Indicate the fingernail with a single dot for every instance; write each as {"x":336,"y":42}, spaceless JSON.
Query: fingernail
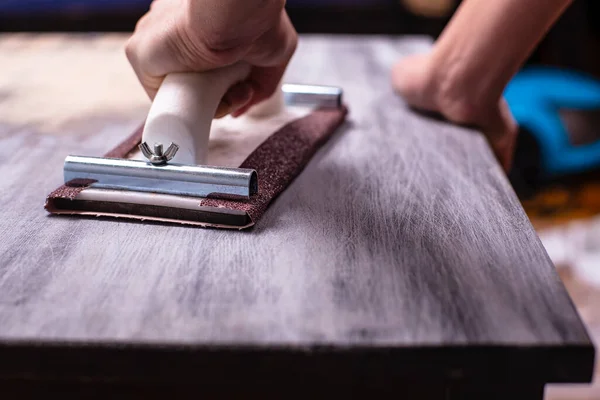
{"x":223,"y":109}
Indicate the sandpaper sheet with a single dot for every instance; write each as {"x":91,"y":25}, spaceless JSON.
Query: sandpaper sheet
{"x":277,"y":160}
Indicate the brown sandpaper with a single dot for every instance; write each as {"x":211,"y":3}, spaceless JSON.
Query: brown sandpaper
{"x":278,"y":160}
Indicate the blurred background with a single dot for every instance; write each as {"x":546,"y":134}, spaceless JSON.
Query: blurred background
{"x":555,"y":100}
{"x":308,"y":15}
{"x":571,"y":43}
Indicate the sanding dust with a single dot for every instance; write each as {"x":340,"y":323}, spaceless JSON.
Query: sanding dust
{"x":49,"y":80}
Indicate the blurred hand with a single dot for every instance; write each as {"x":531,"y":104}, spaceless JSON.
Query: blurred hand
{"x":200,"y":35}
{"x":429,"y":85}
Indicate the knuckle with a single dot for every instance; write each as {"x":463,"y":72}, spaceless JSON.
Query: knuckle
{"x":193,"y":50}
{"x":293,"y":44}
{"x":294,"y":39}
{"x":132,"y":43}
{"x":224,"y":40}
{"x":277,"y":46}
{"x":142,"y":22}
{"x":274,"y":54}
{"x":219,"y":45}
{"x":155,"y":5}
{"x":130,"y":50}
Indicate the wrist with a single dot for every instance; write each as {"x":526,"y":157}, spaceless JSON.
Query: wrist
{"x":482,"y":48}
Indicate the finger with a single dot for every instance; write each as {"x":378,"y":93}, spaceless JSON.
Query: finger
{"x":276,"y":46}
{"x":235,"y":98}
{"x":150,"y":83}
{"x":271,"y":55}
{"x":512,"y":132}
{"x":150,"y":49}
{"x":501,"y":131}
{"x":264,"y":82}
{"x":410,"y":79}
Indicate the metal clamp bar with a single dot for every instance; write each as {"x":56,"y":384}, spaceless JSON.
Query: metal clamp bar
{"x":312,"y":95}
{"x":176,"y":179}
{"x":159,"y":176}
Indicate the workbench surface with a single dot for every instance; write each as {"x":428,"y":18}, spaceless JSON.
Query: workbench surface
{"x":400,"y":252}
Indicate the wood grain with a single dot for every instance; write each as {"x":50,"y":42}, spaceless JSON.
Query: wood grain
{"x":401,"y":250}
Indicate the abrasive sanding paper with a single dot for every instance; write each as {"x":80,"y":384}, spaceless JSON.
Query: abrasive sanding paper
{"x":277,"y":160}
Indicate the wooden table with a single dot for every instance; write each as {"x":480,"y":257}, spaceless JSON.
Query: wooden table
{"x":399,"y":262}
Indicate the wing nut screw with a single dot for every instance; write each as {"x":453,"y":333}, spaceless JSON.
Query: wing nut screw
{"x":157,"y":156}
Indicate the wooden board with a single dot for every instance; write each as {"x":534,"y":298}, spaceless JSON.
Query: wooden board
{"x":400,"y":252}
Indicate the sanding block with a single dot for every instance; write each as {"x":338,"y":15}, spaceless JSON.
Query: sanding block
{"x":163,"y":171}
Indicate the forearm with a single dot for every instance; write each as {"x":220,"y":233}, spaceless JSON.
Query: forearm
{"x":487,"y":41}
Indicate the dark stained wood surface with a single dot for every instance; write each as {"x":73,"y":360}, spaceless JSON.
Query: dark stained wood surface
{"x":401,"y":252}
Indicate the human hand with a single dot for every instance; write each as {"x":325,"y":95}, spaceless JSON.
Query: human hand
{"x":201,"y":35}
{"x":429,"y":85}
{"x":475,"y":57}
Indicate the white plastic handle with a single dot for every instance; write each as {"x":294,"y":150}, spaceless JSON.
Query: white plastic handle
{"x":184,"y":108}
